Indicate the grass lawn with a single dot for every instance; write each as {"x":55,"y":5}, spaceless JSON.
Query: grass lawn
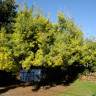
{"x":80,"y":88}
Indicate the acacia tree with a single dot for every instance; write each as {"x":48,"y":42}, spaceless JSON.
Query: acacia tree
{"x":72,"y":40}
{"x":6,"y":57}
{"x":36,"y":41}
{"x":30,"y":38}
{"x":89,"y":55}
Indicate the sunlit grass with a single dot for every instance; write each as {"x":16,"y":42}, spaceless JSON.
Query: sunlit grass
{"x":80,"y":88}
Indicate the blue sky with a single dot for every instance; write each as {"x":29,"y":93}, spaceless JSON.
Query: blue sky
{"x":83,"y":12}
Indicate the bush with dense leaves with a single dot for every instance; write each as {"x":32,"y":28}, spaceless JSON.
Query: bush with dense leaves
{"x":36,"y":41}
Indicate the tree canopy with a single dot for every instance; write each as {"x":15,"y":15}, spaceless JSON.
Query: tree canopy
{"x":36,"y":41}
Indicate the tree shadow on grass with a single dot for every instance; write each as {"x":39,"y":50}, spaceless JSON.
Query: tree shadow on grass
{"x":54,"y":76}
{"x":60,"y":76}
{"x":9,"y":81}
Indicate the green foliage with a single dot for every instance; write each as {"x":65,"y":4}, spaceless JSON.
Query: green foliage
{"x":31,"y":36}
{"x":35,"y":41}
{"x":6,"y":57}
{"x":7,"y":13}
{"x":89,"y":55}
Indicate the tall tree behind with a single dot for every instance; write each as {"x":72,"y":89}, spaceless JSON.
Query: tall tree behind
{"x":7,"y":13}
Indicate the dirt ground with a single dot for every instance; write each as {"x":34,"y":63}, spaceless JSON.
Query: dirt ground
{"x":27,"y":91}
{"x":19,"y":90}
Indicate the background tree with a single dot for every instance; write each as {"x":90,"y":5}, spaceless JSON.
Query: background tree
{"x":7,"y":13}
